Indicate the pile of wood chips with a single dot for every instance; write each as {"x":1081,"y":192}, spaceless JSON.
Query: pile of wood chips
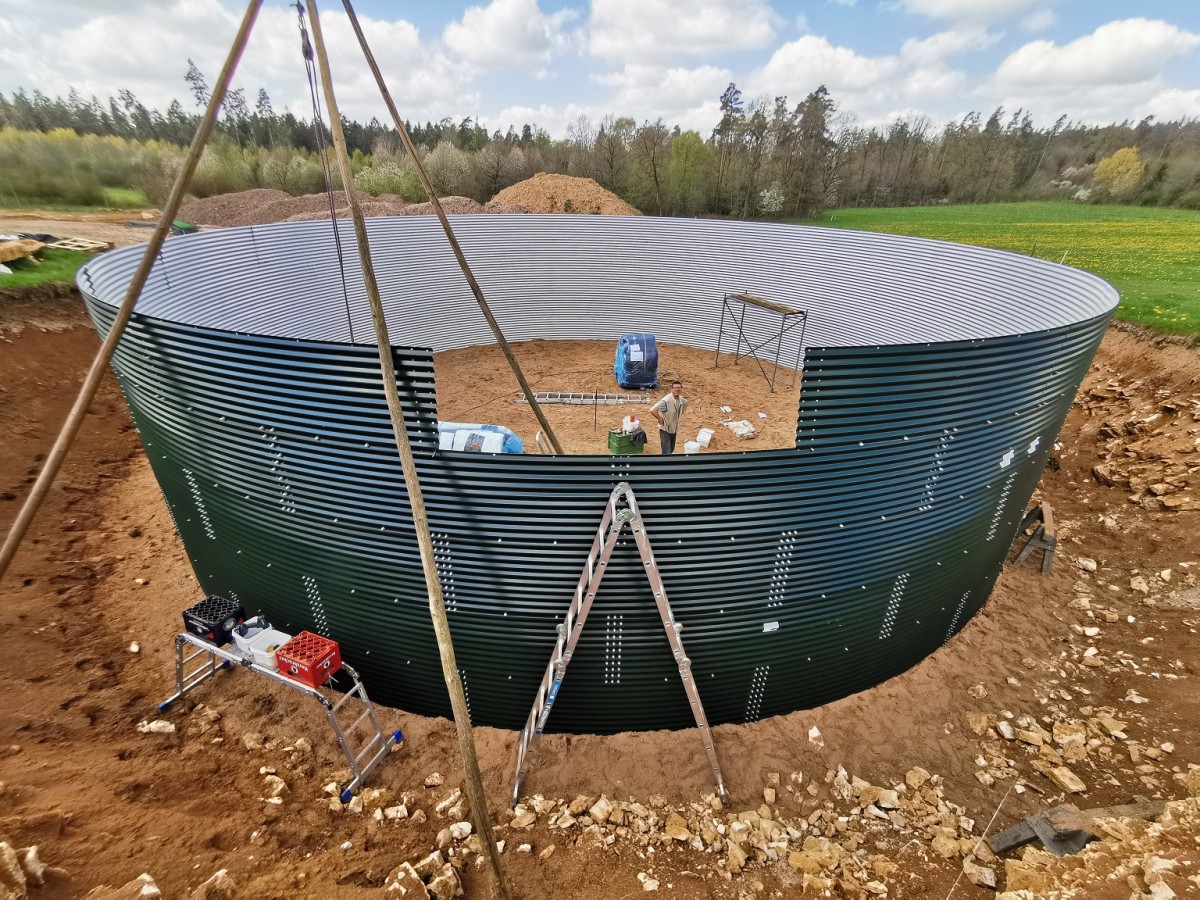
{"x":545,"y":193}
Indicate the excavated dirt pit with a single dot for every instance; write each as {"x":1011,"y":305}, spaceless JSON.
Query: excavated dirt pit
{"x":475,"y":384}
{"x":1094,"y":665}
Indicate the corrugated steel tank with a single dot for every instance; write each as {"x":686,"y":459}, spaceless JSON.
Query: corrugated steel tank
{"x":936,"y":378}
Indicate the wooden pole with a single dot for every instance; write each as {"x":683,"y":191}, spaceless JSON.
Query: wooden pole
{"x":91,"y":381}
{"x":437,"y":608}
{"x":454,"y":245}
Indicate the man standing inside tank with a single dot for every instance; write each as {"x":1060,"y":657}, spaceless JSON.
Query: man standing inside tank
{"x":668,"y":411}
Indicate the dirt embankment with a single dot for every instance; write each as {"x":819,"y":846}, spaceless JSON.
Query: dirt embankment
{"x":1077,"y":687}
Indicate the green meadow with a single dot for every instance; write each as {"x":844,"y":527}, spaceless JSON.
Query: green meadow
{"x":56,"y":266}
{"x":1150,"y":255}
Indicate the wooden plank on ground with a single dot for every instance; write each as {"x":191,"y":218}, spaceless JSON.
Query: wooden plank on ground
{"x":83,"y":245}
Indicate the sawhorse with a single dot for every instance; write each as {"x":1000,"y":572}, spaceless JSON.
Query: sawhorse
{"x":1044,"y":537}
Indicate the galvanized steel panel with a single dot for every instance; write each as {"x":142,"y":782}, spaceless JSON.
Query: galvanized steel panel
{"x":936,"y":380}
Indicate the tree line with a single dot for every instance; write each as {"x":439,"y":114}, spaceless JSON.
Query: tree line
{"x":764,"y":158}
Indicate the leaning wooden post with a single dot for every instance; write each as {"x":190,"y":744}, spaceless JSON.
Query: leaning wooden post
{"x":91,"y":381}
{"x":458,"y":254}
{"x":441,"y":626}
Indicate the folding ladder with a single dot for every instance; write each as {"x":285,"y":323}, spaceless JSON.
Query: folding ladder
{"x":373,"y":743}
{"x":620,"y":511}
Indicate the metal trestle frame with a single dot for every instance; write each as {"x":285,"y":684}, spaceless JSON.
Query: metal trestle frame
{"x":620,"y":511}
{"x":364,"y":742}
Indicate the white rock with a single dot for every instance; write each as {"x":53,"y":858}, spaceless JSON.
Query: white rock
{"x":1165,"y":574}
{"x":12,"y":876}
{"x":648,"y":883}
{"x":453,"y":797}
{"x":1138,"y":583}
{"x":433,"y":780}
{"x":1088,"y":565}
{"x":980,"y":876}
{"x":814,"y":736}
{"x":158,"y":726}
{"x":396,"y":812}
{"x":33,"y":867}
{"x":525,"y":848}
{"x":460,"y":830}
{"x":348,"y":845}
{"x":135,"y":647}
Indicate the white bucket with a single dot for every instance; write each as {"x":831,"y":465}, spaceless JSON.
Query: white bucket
{"x":265,"y":644}
{"x":704,"y":437}
{"x":690,"y":447}
{"x":244,"y":634}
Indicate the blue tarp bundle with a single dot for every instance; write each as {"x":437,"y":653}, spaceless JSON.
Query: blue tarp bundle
{"x":473,"y":438}
{"x":637,"y":361}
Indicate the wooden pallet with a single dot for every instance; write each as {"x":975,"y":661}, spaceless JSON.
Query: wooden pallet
{"x":83,"y":245}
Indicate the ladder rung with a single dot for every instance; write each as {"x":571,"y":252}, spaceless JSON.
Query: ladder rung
{"x":369,"y":747}
{"x":346,"y":696}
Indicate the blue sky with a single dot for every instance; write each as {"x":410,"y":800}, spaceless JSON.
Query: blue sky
{"x":550,"y":62}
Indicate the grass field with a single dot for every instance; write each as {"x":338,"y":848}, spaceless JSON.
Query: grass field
{"x":1152,"y":256}
{"x":56,"y":266}
{"x":115,"y":200}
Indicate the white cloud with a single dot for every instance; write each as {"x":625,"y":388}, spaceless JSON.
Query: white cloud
{"x":637,"y":30}
{"x":799,"y":66}
{"x":920,"y":79}
{"x":146,"y":46}
{"x":969,"y":10}
{"x":512,"y":34}
{"x":1123,"y":52}
{"x":945,"y":44}
{"x":671,"y":93}
{"x":1039,"y":20}
{"x":1105,"y":103}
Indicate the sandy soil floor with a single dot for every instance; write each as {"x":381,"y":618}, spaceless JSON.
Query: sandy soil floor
{"x":476,"y":385}
{"x":1109,"y":636}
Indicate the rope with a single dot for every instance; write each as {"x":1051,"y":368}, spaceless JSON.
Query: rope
{"x":306,"y":51}
{"x":990,"y":823}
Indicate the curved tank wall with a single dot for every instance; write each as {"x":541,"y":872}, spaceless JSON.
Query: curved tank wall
{"x":936,"y":378}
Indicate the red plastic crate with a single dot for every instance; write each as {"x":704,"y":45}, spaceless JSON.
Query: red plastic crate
{"x":309,"y":658}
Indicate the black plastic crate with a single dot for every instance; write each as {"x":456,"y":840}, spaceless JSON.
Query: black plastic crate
{"x":214,"y":619}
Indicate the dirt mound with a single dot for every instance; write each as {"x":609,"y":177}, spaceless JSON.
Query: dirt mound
{"x":450,"y":205}
{"x":224,"y":208}
{"x":263,"y":206}
{"x":545,"y":193}
{"x":260,"y":207}
{"x":493,"y":207}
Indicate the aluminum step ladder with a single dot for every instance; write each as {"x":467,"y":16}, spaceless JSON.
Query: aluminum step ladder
{"x":621,"y":510}
{"x":364,"y":743}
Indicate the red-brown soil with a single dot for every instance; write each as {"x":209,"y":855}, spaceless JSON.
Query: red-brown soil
{"x":102,"y":568}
